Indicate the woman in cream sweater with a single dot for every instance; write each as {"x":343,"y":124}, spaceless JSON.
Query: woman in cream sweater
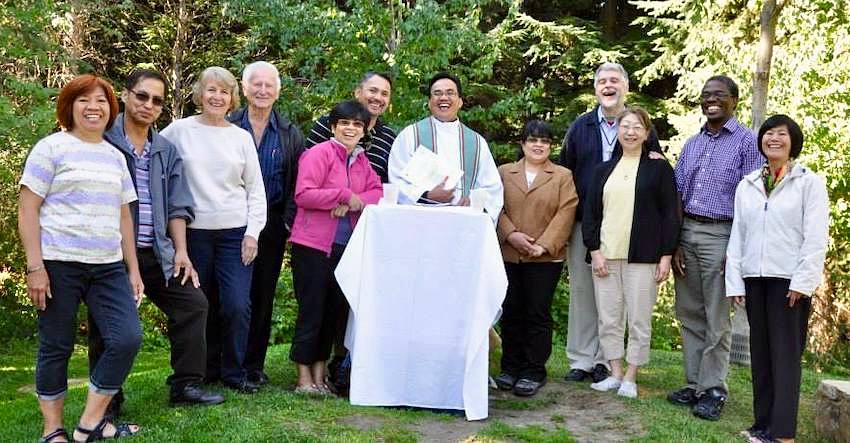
{"x":223,"y":173}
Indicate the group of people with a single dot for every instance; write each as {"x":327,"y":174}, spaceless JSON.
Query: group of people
{"x":197,"y":217}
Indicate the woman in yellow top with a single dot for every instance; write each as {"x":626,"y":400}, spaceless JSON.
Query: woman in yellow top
{"x":536,"y":220}
{"x":631,"y":228}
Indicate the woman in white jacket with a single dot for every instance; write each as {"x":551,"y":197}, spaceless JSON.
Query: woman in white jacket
{"x":774,"y":261}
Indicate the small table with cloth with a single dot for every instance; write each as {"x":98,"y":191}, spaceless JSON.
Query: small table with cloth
{"x":424,"y":285}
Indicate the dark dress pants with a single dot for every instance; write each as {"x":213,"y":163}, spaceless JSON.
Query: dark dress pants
{"x":320,"y":303}
{"x":527,"y":318}
{"x":272,"y":243}
{"x":777,"y":341}
{"x":185,"y":308}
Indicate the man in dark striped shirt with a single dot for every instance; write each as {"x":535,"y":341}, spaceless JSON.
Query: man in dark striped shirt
{"x":373,"y":92}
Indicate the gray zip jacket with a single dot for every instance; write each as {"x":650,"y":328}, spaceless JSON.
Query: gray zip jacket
{"x":170,"y":195}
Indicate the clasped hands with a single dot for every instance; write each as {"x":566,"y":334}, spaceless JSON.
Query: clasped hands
{"x":354,"y":204}
{"x":524,"y":243}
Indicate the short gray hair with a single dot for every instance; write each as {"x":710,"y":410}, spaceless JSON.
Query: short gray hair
{"x":611,"y":66}
{"x":219,"y":74}
{"x":252,"y":68}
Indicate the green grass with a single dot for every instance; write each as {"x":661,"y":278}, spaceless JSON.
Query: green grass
{"x":276,"y":414}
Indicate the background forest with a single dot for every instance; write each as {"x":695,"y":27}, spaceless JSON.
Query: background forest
{"x":517,"y":59}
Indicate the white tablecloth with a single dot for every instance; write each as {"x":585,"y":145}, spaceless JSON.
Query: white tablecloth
{"x":424,"y":285}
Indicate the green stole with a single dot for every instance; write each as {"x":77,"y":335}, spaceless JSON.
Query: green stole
{"x":470,"y":144}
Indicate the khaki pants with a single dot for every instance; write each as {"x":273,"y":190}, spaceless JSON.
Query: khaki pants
{"x":626,"y":294}
{"x":702,"y":306}
{"x":583,"y":349}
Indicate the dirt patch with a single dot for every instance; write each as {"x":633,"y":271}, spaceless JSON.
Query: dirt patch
{"x":588,"y":415}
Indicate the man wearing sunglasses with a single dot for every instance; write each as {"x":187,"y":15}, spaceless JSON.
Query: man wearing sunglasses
{"x":708,"y":171}
{"x":161,"y":214}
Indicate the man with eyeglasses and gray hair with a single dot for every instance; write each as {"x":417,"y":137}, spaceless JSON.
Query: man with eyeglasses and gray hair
{"x":591,"y":140}
{"x":712,"y":163}
{"x":279,"y":145}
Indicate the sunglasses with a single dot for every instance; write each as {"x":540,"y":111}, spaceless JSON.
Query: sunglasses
{"x":144,"y":97}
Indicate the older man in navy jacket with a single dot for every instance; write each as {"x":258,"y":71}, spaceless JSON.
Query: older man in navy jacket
{"x":592,"y":139}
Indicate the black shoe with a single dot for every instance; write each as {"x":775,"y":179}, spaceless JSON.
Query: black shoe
{"x":113,"y":409}
{"x":577,"y":375}
{"x":526,"y":387}
{"x":600,"y":372}
{"x":244,"y":386}
{"x":194,"y":395}
{"x":710,"y":404}
{"x":258,"y":378}
{"x":686,"y":396}
{"x":505,"y":382}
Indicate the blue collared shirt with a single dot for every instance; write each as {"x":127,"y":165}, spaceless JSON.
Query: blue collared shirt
{"x":270,"y":154}
{"x":608,"y":133}
{"x":144,"y":239}
{"x":710,"y":167}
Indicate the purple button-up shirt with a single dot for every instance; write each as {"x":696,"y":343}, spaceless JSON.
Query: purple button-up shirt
{"x":710,"y":167}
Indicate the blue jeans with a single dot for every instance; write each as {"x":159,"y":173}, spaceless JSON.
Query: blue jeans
{"x":105,"y":289}
{"x":217,"y":256}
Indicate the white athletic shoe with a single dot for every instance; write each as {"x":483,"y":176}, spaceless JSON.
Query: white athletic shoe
{"x":609,"y":384}
{"x":628,"y":389}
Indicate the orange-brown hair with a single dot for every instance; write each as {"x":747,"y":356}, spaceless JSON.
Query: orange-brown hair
{"x":77,"y":87}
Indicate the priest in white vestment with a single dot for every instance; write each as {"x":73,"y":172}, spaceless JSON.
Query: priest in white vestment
{"x":444,"y":134}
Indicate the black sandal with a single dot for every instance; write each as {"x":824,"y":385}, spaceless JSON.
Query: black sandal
{"x":96,"y":434}
{"x":59,"y":432}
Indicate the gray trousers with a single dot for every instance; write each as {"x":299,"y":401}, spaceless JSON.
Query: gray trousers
{"x":702,"y":306}
{"x":583,"y":350}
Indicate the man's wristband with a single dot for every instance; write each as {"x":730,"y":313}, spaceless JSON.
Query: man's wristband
{"x":34,"y":269}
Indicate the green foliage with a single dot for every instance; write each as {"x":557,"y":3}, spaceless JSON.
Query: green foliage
{"x":809,"y":81}
{"x":26,"y":114}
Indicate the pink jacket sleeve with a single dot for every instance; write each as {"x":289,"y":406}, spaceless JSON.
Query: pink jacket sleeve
{"x":313,"y":169}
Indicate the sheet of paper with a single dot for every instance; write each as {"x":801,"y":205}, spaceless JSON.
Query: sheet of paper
{"x":427,"y":170}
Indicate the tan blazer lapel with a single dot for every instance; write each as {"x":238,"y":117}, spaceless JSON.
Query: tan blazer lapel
{"x":543,"y":176}
{"x":517,"y":175}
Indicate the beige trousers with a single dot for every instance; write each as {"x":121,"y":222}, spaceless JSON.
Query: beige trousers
{"x":626,"y":295}
{"x":583,"y":349}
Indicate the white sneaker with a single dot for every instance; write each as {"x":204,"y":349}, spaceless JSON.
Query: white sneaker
{"x":609,"y":384}
{"x":628,"y":389}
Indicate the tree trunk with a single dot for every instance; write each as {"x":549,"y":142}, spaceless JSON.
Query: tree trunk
{"x":770,"y":11}
{"x":608,"y":19}
{"x":769,"y":16}
{"x":179,"y":48}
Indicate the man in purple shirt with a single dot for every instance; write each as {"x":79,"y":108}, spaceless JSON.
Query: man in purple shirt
{"x":711,"y":164}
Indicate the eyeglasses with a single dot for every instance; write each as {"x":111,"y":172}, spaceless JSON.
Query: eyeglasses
{"x":636,"y":128}
{"x":451,"y":93}
{"x":144,"y":97}
{"x":541,"y":140}
{"x":719,"y":94}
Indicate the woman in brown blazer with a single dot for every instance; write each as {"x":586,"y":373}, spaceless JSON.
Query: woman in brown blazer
{"x":536,"y":220}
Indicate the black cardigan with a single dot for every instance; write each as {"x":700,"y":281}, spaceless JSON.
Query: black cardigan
{"x":655,"y":220}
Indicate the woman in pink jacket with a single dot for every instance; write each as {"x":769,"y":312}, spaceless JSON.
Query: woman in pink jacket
{"x":335,"y":182}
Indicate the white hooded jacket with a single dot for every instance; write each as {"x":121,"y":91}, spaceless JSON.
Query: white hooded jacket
{"x":783,"y":236}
